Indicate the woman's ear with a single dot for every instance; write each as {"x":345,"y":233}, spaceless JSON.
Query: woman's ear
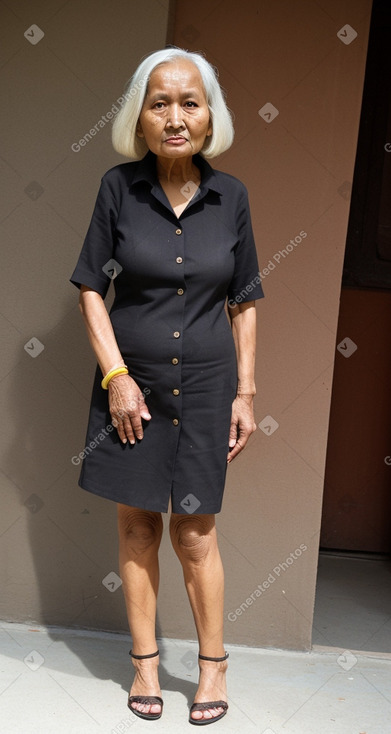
{"x":139,"y":130}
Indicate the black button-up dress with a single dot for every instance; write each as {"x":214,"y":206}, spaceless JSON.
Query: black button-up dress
{"x":172,"y":277}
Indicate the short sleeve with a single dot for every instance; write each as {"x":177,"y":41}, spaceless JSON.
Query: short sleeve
{"x":99,"y":243}
{"x":246,"y":281}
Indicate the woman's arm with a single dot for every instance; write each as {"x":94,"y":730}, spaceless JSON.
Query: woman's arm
{"x":126,"y":401}
{"x":243,"y":323}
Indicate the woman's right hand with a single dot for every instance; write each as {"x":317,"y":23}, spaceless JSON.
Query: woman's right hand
{"x":127,"y":408}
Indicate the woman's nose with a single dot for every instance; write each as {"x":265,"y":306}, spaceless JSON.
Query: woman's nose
{"x":174,"y":117}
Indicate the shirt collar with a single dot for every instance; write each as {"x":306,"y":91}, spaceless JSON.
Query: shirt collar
{"x":146,"y":171}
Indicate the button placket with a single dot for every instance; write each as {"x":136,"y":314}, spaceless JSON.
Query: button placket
{"x":176,"y":391}
{"x":179,"y":260}
{"x":176,"y":384}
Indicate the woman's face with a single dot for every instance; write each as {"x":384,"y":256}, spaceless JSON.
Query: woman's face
{"x":175,"y":118}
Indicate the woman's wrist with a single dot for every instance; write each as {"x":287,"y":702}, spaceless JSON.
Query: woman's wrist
{"x":114,"y":372}
{"x":246,"y":385}
{"x":246,"y":388}
{"x":245,"y":397}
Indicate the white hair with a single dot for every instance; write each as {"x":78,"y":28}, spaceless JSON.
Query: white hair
{"x":124,"y":138}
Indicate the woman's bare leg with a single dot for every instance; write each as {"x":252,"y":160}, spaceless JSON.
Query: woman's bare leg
{"x":140,"y":533}
{"x":194,"y":540}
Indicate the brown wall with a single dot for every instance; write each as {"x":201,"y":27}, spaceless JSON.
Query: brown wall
{"x":59,"y":542}
{"x":357,"y":500}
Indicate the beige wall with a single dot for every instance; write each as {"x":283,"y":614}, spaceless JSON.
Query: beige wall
{"x":58,"y":541}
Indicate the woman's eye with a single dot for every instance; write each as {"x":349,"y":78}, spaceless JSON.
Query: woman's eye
{"x":161,"y":105}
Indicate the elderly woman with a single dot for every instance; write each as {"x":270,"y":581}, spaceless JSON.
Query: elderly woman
{"x":178,"y":375}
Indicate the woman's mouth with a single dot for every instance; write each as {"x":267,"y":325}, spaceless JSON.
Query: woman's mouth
{"x":176,"y":140}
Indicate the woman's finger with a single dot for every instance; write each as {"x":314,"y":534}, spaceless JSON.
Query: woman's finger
{"x":233,"y":434}
{"x":117,"y":422}
{"x":134,"y":419}
{"x":238,"y":437}
{"x":234,"y":452}
{"x":139,"y":406}
{"x":127,"y":430}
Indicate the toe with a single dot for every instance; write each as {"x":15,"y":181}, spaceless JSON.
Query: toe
{"x":155,"y":708}
{"x":146,"y":708}
{"x":140,"y":707}
{"x":207,"y":713}
{"x":212,"y":713}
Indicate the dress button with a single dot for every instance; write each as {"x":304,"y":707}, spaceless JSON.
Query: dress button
{"x":178,"y":231}
{"x":179,"y":260}
{"x":175,"y":391}
{"x":177,"y":334}
{"x":180,"y":291}
{"x":175,"y":360}
{"x":175,"y":421}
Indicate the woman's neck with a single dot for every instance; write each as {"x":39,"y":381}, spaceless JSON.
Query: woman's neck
{"x":176,"y":170}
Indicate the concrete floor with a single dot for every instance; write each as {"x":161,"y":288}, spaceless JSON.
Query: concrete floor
{"x":353,"y":603}
{"x":62,"y":680}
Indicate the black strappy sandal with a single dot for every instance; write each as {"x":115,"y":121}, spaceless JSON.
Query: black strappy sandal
{"x":147,"y":700}
{"x":209,"y":704}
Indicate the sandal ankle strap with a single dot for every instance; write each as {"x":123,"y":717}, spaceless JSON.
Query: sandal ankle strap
{"x":214,"y":660}
{"x":143,"y":657}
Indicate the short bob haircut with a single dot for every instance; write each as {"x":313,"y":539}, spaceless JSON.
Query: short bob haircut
{"x":124,"y":138}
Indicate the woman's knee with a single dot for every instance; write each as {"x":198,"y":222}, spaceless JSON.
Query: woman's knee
{"x":193,"y":536}
{"x":140,"y":528}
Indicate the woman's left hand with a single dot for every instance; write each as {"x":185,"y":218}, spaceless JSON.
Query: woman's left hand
{"x":242,"y":425}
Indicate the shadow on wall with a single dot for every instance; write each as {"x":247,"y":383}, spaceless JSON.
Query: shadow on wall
{"x":71,"y":554}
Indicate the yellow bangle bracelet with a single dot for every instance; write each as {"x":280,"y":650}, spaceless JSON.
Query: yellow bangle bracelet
{"x":113,"y":373}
